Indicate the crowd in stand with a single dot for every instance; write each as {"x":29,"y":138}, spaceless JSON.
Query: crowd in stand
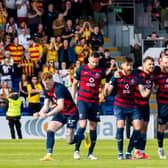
{"x":38,"y":36}
{"x":51,"y":35}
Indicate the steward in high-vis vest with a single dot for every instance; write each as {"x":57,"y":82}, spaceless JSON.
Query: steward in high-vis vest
{"x":13,"y":114}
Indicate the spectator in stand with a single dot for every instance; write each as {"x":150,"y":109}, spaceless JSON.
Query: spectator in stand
{"x":23,"y":24}
{"x":28,"y":66}
{"x":69,"y":13}
{"x":8,"y":56}
{"x":137,"y":55}
{"x":23,"y":90}
{"x":50,"y":67}
{"x":164,"y":12}
{"x":11,"y":32}
{"x":34,"y":90}
{"x":156,"y":11}
{"x":16,"y":51}
{"x":59,"y":41}
{"x":7,"y":40}
{"x":86,"y":31}
{"x":52,"y":51}
{"x":6,"y":71}
{"x":68,"y":31}
{"x":111,"y":67}
{"x":38,"y":36}
{"x":56,"y":77}
{"x":11,"y":8}
{"x":11,"y":22}
{"x":104,"y":57}
{"x":154,"y":36}
{"x":22,"y":10}
{"x":63,"y":72}
{"x":58,"y":25}
{"x":3,"y":17}
{"x":77,"y":65}
{"x":23,"y":38}
{"x":49,"y":17}
{"x":5,"y":91}
{"x":96,"y":38}
{"x":36,"y":52}
{"x":99,"y":11}
{"x":82,"y":51}
{"x":34,"y":17}
{"x":67,"y":54}
{"x":2,"y":50}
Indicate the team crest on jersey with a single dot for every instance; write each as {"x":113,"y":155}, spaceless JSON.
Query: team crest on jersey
{"x":167,"y":80}
{"x":91,"y":80}
{"x":97,"y":75}
{"x":151,"y":76}
{"x":132,"y":81}
{"x":148,"y":82}
{"x":126,"y":86}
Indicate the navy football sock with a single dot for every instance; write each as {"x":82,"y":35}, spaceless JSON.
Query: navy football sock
{"x":79,"y":137}
{"x":50,"y":141}
{"x":93,"y":137}
{"x":134,"y":141}
{"x":119,"y":137}
{"x":160,"y":137}
{"x":142,"y":142}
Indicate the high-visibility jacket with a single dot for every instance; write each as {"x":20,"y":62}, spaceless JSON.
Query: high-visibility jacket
{"x":14,"y":107}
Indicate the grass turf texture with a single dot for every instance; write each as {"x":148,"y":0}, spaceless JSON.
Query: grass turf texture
{"x":26,"y":154}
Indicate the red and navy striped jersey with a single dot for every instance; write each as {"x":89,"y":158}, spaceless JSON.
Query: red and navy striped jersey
{"x":59,"y":91}
{"x":90,"y":80}
{"x":161,"y":79}
{"x":126,"y":87}
{"x":147,"y":82}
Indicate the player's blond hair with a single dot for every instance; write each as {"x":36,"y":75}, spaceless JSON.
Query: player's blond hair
{"x":46,"y":75}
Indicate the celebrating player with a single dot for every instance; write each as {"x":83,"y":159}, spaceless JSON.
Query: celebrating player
{"x":161,"y":82}
{"x":147,"y":76}
{"x":63,"y":111}
{"x":89,"y":76}
{"x":124,"y":104}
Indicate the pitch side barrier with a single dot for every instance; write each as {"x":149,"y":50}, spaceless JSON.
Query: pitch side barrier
{"x":36,"y":128}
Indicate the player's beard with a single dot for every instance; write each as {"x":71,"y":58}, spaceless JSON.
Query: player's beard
{"x":149,"y":70}
{"x":165,"y":69}
{"x":128,"y":72}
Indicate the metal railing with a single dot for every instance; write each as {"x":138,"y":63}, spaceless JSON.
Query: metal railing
{"x":124,"y":3}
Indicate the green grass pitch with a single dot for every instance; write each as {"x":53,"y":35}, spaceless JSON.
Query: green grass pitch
{"x":26,"y":154}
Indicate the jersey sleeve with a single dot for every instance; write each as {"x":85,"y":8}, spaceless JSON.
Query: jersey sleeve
{"x":139,"y":79}
{"x":60,"y":92}
{"x":45,"y":94}
{"x":113,"y":81}
{"x":77,"y":74}
{"x":157,"y":69}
